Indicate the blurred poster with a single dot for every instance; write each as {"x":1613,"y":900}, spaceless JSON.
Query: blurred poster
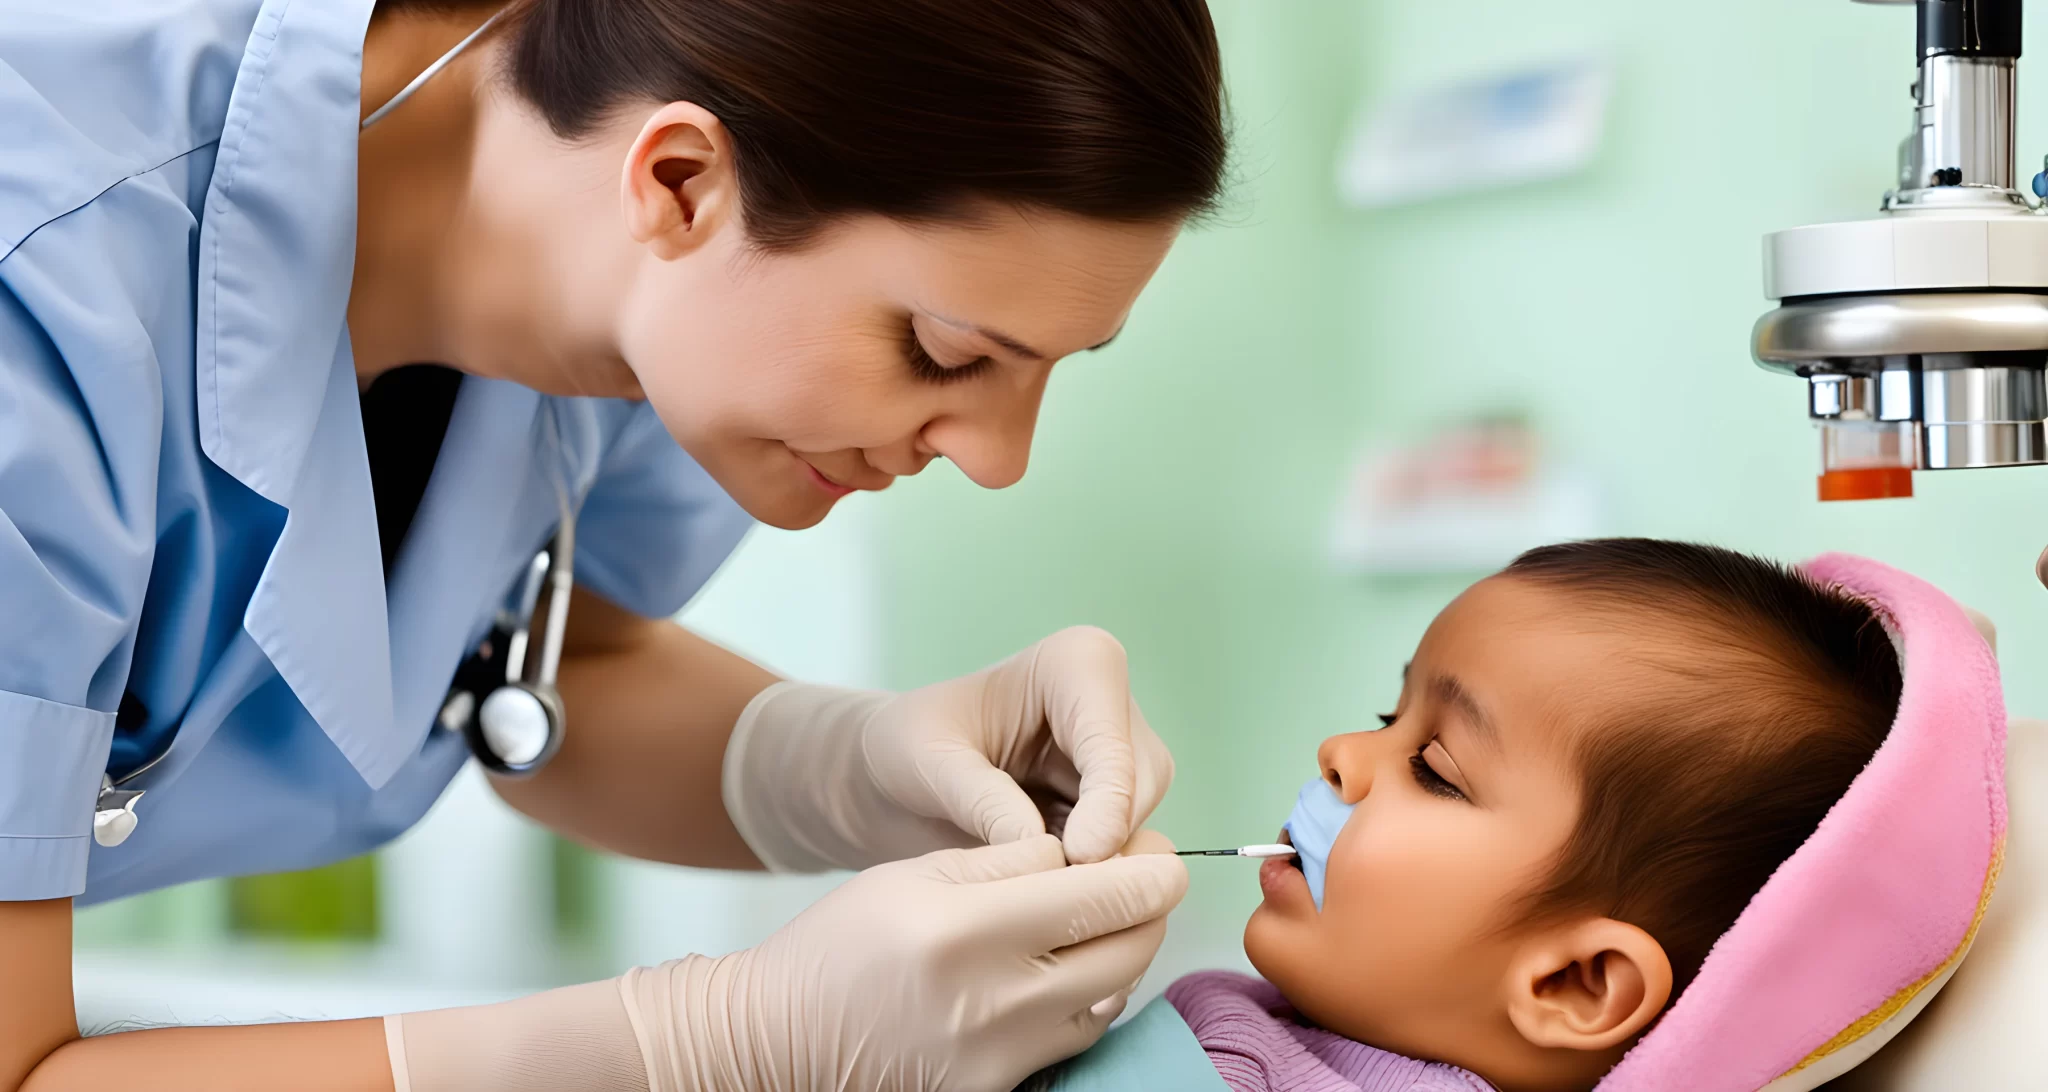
{"x":1466,"y":498}
{"x":1539,"y":122}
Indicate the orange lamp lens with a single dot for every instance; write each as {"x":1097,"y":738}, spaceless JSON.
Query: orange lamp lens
{"x":1866,"y":483}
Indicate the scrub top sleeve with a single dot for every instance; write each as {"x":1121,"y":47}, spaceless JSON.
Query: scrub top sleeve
{"x":654,"y":526}
{"x":77,"y":514}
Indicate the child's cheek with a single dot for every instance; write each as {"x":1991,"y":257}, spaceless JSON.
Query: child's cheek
{"x":1400,"y":875}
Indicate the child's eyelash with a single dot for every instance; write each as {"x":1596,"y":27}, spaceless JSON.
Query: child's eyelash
{"x":1431,"y":781}
{"x":931,"y":371}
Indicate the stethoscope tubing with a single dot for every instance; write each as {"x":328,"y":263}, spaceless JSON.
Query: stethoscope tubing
{"x":430,"y":72}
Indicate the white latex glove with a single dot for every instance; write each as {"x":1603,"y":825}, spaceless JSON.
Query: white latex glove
{"x":818,"y":777}
{"x":961,"y":971}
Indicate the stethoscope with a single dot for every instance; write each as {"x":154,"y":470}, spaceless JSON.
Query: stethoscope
{"x":513,"y":725}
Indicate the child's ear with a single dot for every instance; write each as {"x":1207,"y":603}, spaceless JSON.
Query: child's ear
{"x":1587,"y":984}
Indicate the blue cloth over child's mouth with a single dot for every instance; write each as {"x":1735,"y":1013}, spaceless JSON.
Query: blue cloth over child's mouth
{"x":1319,"y":813}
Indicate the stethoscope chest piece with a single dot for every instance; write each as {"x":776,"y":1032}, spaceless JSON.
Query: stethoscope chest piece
{"x":517,"y":729}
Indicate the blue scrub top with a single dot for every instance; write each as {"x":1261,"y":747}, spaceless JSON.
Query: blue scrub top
{"x":185,"y":505}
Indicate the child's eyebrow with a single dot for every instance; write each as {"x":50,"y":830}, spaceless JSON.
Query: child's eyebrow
{"x":1451,"y":692}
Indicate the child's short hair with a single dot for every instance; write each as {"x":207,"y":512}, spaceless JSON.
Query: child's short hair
{"x":1781,"y":691}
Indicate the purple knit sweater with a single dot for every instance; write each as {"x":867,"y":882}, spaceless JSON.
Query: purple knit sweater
{"x":1258,"y":1044}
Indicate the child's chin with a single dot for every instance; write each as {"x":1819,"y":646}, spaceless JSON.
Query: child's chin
{"x":1285,"y":955}
{"x":1269,"y":939}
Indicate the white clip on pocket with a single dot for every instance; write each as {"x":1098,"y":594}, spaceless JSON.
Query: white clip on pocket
{"x":113,"y":817}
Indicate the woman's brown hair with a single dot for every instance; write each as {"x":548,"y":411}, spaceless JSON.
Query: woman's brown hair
{"x":913,"y":109}
{"x":1779,"y":693}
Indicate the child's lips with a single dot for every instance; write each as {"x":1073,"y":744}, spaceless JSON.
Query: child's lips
{"x":1283,"y":883}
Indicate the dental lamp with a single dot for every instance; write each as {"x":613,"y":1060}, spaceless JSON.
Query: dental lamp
{"x":1922,"y":334}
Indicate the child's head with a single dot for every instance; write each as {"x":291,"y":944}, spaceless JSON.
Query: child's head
{"x":1599,"y":755}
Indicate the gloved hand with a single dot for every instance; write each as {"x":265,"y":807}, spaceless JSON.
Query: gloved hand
{"x":1049,"y":740}
{"x":961,"y":971}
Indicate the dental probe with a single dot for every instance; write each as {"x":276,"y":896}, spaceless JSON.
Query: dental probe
{"x":1276,"y":849}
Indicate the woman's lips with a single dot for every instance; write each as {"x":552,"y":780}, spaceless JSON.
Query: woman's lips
{"x":832,"y":489}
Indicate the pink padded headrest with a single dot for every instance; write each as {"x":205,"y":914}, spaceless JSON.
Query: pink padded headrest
{"x":1878,"y":906}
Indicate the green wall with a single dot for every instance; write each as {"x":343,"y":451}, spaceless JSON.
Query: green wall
{"x":1184,"y":479}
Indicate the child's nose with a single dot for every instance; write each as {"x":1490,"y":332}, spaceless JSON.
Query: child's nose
{"x":1346,"y":762}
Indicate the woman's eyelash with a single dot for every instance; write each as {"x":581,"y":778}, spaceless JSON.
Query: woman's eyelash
{"x":1431,"y":781}
{"x":1387,"y":719}
{"x":931,"y":371}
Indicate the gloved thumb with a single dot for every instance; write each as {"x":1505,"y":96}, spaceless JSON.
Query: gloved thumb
{"x":986,"y":864}
{"x":1080,"y":902}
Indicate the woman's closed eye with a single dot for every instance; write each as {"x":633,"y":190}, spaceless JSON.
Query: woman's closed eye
{"x":1428,"y":779}
{"x":928,"y":369}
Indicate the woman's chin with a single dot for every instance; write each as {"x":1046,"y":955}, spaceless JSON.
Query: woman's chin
{"x":788,"y":509}
{"x":792,"y":518}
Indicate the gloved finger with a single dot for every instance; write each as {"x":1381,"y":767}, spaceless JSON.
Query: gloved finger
{"x":1009,"y":861}
{"x":1052,"y":807}
{"x":1146,"y":841}
{"x":1053,"y":774}
{"x":1085,"y":688}
{"x":1057,"y":909}
{"x":1071,"y":1031}
{"x":1071,"y":1035}
{"x":1077,"y":978}
{"x":981,"y":799}
{"x":1154,"y":767}
{"x":1104,"y":1012}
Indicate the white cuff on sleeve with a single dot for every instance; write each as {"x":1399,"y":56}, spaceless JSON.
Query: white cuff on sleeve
{"x":51,"y":759}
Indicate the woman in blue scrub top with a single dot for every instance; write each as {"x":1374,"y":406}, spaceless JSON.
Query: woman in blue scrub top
{"x":288,"y":406}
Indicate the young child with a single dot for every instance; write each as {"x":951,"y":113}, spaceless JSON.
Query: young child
{"x":1599,"y":756}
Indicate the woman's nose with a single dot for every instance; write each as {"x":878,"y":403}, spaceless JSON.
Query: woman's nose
{"x":1347,"y":762}
{"x":902,"y":459}
{"x":992,"y":445}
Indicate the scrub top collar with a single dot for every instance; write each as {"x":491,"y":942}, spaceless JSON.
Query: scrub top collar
{"x":263,"y":349}
{"x":277,"y":398}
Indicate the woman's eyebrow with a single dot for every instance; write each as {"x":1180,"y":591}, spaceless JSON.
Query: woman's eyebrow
{"x":1012,"y":344}
{"x":1447,"y":689}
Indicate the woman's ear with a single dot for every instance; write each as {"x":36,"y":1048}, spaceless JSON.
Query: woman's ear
{"x":679,"y":186}
{"x":1590,"y":984}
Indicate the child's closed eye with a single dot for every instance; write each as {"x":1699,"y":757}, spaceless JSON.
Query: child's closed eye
{"x":1431,"y":781}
